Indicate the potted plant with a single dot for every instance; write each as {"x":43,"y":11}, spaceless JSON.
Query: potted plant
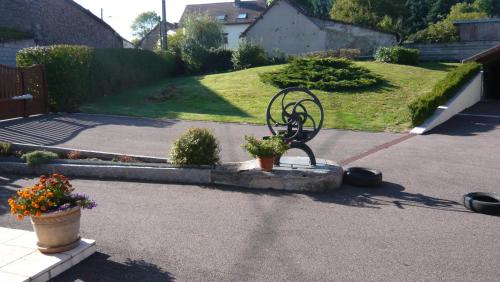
{"x":265,"y":151}
{"x":54,"y":210}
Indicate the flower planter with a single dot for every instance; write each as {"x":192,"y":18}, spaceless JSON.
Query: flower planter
{"x":266,"y":163}
{"x":57,"y":231}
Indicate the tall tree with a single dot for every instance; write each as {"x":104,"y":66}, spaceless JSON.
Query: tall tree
{"x":144,"y":23}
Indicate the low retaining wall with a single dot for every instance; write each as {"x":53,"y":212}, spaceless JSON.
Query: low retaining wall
{"x":453,"y":51}
{"x":467,"y":97}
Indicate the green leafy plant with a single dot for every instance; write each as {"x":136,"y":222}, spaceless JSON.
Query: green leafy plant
{"x":198,"y":146}
{"x":37,"y":158}
{"x":273,"y":146}
{"x":5,"y":148}
{"x":328,"y":74}
{"x":425,"y":105}
{"x":248,"y":55}
{"x":397,"y":55}
{"x":338,"y":53}
{"x":78,"y":74}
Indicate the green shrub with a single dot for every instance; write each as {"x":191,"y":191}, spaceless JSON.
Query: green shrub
{"x":218,"y":59}
{"x":249,"y":55}
{"x":397,"y":55}
{"x":424,"y":106}
{"x":77,"y":74}
{"x":5,"y":148}
{"x":327,"y":74}
{"x":339,"y":53}
{"x":37,"y":158}
{"x":198,"y":146}
{"x":273,"y":146}
{"x":277,"y":57}
{"x":11,"y":34}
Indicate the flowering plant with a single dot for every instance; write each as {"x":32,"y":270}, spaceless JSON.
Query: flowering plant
{"x":50,"y":194}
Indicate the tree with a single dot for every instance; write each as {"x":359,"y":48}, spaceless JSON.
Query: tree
{"x":144,"y":23}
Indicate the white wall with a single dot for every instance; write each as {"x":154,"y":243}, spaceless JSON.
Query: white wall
{"x":465,"y":98}
{"x":285,"y":28}
{"x":234,"y":31}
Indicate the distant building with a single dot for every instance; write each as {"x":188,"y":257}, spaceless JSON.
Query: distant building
{"x":289,"y":27}
{"x":152,"y":39}
{"x":479,"y":30}
{"x":235,"y":16}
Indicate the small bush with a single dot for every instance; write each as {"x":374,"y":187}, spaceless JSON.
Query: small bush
{"x":328,"y":74}
{"x":424,"y":106}
{"x":37,"y":158}
{"x":218,"y":59}
{"x":249,"y":55}
{"x":74,"y":155}
{"x":198,"y":146}
{"x":273,"y":146}
{"x":277,"y":57}
{"x":78,"y":74}
{"x":5,"y":148}
{"x":340,"y":53}
{"x":397,"y":55}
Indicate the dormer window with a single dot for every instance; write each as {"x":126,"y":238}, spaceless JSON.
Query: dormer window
{"x":221,"y":17}
{"x":243,"y":16}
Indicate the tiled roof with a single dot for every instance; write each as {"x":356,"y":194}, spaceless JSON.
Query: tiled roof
{"x":230,"y":10}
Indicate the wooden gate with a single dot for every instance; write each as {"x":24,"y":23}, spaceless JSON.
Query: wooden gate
{"x":23,"y":91}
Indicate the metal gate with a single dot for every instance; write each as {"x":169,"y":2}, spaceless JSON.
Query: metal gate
{"x":23,"y":91}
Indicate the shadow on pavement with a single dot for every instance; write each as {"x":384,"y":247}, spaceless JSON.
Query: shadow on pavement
{"x":7,"y":190}
{"x":467,"y":126}
{"x":99,"y":267}
{"x":53,"y":129}
{"x":387,"y":194}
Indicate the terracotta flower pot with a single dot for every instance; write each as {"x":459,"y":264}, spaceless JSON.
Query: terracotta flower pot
{"x":266,"y":163}
{"x":57,"y":231}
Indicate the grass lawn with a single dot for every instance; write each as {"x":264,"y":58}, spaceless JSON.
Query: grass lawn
{"x":241,"y":97}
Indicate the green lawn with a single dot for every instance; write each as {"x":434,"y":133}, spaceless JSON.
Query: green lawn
{"x":241,"y":97}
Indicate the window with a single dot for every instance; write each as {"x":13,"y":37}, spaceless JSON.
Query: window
{"x":225,"y":38}
{"x":221,"y":17}
{"x":242,"y":16}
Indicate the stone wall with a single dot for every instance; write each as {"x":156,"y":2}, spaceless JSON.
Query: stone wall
{"x":9,"y":50}
{"x":58,"y":22}
{"x":453,"y":51}
{"x":478,"y":31}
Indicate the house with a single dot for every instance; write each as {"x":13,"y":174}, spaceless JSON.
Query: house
{"x":54,"y":22}
{"x":490,"y":61}
{"x":287,"y":26}
{"x":479,"y":30}
{"x":235,"y":16}
{"x":152,"y":40}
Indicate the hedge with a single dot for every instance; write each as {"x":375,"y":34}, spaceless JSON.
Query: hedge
{"x":397,"y":55}
{"x":77,"y":74}
{"x":424,"y":106}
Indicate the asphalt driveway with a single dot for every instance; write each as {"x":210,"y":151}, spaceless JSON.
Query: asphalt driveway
{"x":414,"y":228}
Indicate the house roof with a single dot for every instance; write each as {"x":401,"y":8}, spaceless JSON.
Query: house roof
{"x":94,"y":17}
{"x":321,"y":23}
{"x":478,"y":21}
{"x":229,"y":9}
{"x":168,"y":25}
{"x":488,"y":56}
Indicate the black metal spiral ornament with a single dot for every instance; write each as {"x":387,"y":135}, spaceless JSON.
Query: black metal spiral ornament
{"x":298,"y":125}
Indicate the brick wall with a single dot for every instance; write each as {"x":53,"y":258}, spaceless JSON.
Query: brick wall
{"x":453,"y":51}
{"x":9,"y":50}
{"x":58,"y":22}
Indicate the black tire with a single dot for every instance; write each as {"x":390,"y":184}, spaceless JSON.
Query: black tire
{"x":487,"y":203}
{"x":364,"y":177}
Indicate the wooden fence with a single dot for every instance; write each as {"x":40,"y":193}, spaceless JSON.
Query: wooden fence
{"x":23,"y":91}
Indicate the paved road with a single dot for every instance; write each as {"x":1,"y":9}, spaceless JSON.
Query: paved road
{"x":411,"y":229}
{"x":154,"y":137}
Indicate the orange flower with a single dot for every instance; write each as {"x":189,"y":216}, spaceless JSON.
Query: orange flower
{"x":26,"y":213}
{"x":20,"y":217}
{"x":43,"y":208}
{"x":38,"y":214}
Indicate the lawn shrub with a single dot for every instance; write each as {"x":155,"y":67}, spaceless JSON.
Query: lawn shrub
{"x":217,"y":60}
{"x":37,"y":158}
{"x":328,"y":74}
{"x":197,"y":146}
{"x":397,"y":55}
{"x":425,"y":105}
{"x":339,"y":53}
{"x":271,"y":147}
{"x":5,"y":148}
{"x":277,"y":57}
{"x":77,"y":74}
{"x":248,"y":55}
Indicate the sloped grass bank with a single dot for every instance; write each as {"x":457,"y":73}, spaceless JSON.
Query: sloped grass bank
{"x":242,"y":97}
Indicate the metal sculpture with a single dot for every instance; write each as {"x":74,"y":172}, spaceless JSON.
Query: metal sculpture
{"x":297,"y":124}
